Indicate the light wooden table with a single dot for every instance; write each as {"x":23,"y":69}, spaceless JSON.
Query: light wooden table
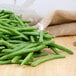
{"x":59,"y":67}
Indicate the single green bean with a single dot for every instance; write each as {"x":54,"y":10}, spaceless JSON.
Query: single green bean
{"x":27,"y":29}
{"x":41,"y":60}
{"x":47,"y":36}
{"x":26,"y":21}
{"x":48,"y":42}
{"x":62,"y":48}
{"x":27,"y":58}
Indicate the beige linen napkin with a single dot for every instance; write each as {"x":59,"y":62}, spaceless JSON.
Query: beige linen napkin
{"x":60,"y":23}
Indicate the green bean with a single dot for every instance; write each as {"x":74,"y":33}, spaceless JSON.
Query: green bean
{"x":41,"y":54}
{"x":47,"y":36}
{"x":41,"y":60}
{"x":32,"y":39}
{"x":19,"y":20}
{"x":15,"y":59}
{"x":27,"y":58}
{"x":26,"y":21}
{"x":7,"y":20}
{"x":48,"y":42}
{"x":55,"y":50}
{"x":11,"y":55}
{"x":31,"y":33}
{"x":62,"y":48}
{"x":5,"y":16}
{"x":27,"y":29}
{"x":41,"y":36}
{"x":5,"y":62}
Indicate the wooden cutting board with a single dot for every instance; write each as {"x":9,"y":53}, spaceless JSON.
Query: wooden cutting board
{"x":58,"y":67}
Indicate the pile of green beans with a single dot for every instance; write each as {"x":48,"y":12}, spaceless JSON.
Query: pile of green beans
{"x":22,"y":44}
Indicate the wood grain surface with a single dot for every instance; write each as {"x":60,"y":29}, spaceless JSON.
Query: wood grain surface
{"x":58,"y":67}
